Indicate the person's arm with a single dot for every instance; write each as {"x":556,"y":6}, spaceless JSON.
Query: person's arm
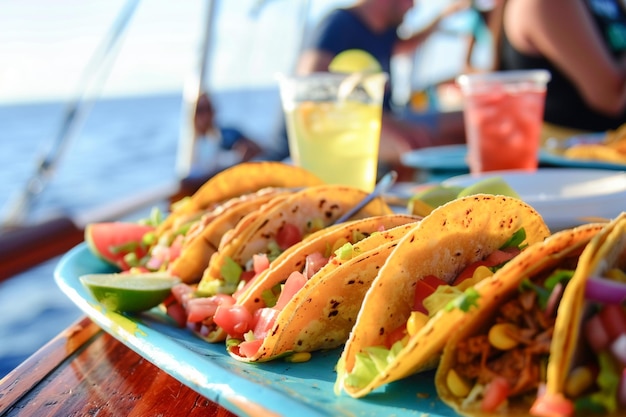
{"x":233,"y":139}
{"x":564,"y":33}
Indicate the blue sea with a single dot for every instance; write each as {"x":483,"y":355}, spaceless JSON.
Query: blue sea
{"x":123,"y":148}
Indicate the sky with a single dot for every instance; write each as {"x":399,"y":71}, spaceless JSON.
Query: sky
{"x":46,"y":46}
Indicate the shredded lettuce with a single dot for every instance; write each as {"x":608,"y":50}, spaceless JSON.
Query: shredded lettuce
{"x":605,"y":399}
{"x":543,"y":293}
{"x":516,"y":240}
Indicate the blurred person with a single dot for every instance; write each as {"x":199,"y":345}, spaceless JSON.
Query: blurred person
{"x":211,"y":146}
{"x":227,"y":138}
{"x":372,"y":26}
{"x":583,"y":44}
{"x":486,"y":27}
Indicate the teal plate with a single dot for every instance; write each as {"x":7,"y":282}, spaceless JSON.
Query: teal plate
{"x":452,"y":158}
{"x":275,"y":388}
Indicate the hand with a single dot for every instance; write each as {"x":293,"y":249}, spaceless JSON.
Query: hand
{"x":246,"y":148}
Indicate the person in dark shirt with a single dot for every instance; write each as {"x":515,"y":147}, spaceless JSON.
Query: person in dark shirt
{"x":583,"y":44}
{"x":372,"y":26}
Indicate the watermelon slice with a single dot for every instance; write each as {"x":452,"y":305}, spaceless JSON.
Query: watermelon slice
{"x":112,"y":241}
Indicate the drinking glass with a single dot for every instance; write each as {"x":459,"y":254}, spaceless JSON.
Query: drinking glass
{"x":503,"y":113}
{"x":333,"y":124}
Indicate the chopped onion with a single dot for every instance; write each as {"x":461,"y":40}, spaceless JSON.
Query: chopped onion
{"x":605,"y":290}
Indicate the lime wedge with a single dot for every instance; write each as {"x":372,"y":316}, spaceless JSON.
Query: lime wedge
{"x":438,"y":195}
{"x":129,"y":292}
{"x":354,"y":60}
{"x":492,"y":185}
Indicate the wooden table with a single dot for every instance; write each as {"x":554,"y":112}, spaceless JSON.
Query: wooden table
{"x":85,"y":371}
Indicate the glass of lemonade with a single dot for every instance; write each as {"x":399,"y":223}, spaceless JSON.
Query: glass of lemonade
{"x":333,"y":124}
{"x":503,"y":114}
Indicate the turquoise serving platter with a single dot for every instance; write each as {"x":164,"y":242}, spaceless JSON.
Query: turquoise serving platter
{"x":276,"y":388}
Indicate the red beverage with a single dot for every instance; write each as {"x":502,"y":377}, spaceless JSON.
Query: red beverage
{"x":503,"y":118}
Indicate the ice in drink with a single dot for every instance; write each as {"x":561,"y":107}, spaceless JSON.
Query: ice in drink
{"x":333,"y":125}
{"x":336,"y":140}
{"x":503,"y":116}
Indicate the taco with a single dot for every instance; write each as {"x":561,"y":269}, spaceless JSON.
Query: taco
{"x":203,"y":237}
{"x":402,"y":326}
{"x":260,"y":238}
{"x":270,"y":231}
{"x":497,"y":359}
{"x":238,"y":180}
{"x":588,"y":375}
{"x":309,"y":297}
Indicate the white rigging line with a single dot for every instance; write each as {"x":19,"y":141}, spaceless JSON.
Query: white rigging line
{"x":92,"y":80}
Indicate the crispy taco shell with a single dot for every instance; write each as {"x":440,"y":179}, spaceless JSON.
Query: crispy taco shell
{"x":322,"y":312}
{"x":561,"y":250}
{"x":238,"y":180}
{"x":450,"y":238}
{"x":202,"y":242}
{"x":606,"y":250}
{"x":321,"y":205}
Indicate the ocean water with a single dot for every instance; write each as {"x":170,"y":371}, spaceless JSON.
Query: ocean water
{"x":123,"y":148}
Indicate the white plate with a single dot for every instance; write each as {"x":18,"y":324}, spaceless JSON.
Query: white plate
{"x":565,"y":197}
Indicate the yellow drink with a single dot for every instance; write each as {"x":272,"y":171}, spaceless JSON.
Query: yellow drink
{"x":338,"y":140}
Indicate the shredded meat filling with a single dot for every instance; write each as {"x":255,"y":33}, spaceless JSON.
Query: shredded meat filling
{"x":521,"y":366}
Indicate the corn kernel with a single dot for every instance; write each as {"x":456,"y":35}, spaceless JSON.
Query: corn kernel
{"x":501,"y":336}
{"x":298,"y":357}
{"x":457,"y":385}
{"x":616,"y":274}
{"x":416,"y":321}
{"x":578,"y":381}
{"x":482,"y":272}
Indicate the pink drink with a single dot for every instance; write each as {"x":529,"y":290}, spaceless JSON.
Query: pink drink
{"x":503,"y":122}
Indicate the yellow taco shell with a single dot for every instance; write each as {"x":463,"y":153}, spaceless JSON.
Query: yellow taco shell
{"x":450,"y":238}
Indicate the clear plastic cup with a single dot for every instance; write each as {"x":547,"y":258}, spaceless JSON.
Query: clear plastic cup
{"x":503,"y":113}
{"x":333,"y":125}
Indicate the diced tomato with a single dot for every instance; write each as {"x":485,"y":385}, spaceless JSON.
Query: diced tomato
{"x":294,"y":283}
{"x":423,"y":288}
{"x":260,"y":263}
{"x":204,"y":308}
{"x":468,"y":272}
{"x":288,"y":235}
{"x":498,"y":257}
{"x":551,"y":406}
{"x":182,"y":292}
{"x":234,"y":320}
{"x":246,"y":276}
{"x":249,"y":348}
{"x":177,"y":312}
{"x":395,"y":335}
{"x":613,"y":319}
{"x":434,"y":281}
{"x":496,"y":392}
{"x":314,"y":262}
{"x":263,"y":321}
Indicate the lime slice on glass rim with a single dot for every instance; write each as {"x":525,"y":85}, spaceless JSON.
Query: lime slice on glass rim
{"x":130,"y":293}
